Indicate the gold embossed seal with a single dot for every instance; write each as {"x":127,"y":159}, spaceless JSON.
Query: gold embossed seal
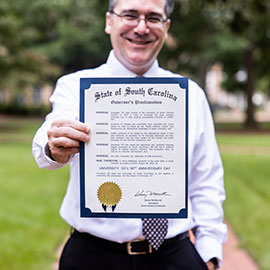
{"x":109,"y":194}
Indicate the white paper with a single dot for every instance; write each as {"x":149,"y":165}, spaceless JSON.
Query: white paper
{"x":138,"y":142}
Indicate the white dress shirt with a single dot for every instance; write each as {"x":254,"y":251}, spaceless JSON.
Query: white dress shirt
{"x":205,"y":189}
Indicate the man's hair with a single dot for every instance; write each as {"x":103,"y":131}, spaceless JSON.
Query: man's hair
{"x":168,"y":6}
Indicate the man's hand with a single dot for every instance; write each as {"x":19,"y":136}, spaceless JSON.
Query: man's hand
{"x":64,"y":137}
{"x":211,"y":265}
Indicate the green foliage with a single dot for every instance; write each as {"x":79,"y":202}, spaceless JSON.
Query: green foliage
{"x":210,"y":31}
{"x":234,"y":33}
{"x":39,"y":40}
{"x":193,"y":48}
{"x":39,"y":37}
{"x":79,"y":40}
{"x":20,"y":65}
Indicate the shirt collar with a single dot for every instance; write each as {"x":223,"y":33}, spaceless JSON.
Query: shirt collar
{"x":119,"y":70}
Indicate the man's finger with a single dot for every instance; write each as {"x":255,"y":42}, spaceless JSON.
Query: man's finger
{"x":68,"y":132}
{"x":71,"y":123}
{"x":63,"y":142}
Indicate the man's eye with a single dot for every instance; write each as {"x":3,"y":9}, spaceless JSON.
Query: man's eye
{"x":130,"y":17}
{"x":154,"y":19}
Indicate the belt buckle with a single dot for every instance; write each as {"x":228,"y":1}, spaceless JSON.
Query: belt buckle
{"x":130,"y":252}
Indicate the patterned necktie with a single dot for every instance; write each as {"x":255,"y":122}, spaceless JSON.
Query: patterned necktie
{"x":154,"y":230}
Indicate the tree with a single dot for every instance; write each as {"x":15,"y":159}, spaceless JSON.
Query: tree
{"x":235,"y":33}
{"x":192,"y":50}
{"x":20,"y":65}
{"x":249,"y":22}
{"x":42,"y":39}
{"x":77,"y":39}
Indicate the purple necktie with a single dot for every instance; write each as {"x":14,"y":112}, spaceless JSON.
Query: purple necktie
{"x":154,"y":230}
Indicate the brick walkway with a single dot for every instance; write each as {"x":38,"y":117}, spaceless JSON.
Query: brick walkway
{"x":235,"y":258}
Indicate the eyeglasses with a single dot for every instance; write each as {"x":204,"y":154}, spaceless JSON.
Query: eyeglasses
{"x":133,"y":19}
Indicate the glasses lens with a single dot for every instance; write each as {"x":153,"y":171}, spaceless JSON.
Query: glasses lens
{"x":154,"y":21}
{"x":129,"y":19}
{"x":132,"y":19}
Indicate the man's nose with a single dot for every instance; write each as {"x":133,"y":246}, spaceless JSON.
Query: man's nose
{"x":141,"y":27}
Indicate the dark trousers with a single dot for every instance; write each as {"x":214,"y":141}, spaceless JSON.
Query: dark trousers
{"x":81,"y":254}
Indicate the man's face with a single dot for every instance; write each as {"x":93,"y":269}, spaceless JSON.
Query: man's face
{"x":137,"y":47}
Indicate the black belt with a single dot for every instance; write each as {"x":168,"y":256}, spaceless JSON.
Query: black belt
{"x":135,"y":247}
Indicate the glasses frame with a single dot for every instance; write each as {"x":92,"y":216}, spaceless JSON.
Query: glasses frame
{"x":136,"y":22}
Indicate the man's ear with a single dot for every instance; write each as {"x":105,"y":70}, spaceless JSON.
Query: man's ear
{"x":108,"y":26}
{"x":168,"y":23}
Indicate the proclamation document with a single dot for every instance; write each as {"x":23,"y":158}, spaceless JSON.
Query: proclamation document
{"x":135,"y":164}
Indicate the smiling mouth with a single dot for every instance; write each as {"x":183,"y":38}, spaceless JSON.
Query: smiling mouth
{"x":139,"y":42}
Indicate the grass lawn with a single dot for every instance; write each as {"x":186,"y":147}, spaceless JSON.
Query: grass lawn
{"x":30,"y":227}
{"x":248,"y":192}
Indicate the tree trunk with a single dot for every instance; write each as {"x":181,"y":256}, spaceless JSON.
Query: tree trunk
{"x":202,"y":75}
{"x":250,"y":111}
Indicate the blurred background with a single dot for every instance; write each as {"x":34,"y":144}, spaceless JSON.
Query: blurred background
{"x":224,"y":45}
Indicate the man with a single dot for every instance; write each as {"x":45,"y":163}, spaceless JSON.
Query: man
{"x":138,"y":29}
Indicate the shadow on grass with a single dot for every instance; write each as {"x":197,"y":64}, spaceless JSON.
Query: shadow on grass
{"x":236,"y":127}
{"x":18,"y":129}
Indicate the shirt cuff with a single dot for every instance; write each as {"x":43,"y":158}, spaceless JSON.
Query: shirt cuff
{"x":48,"y":152}
{"x":48,"y":162}
{"x":208,"y":248}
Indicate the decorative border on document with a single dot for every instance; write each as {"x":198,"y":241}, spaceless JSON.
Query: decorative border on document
{"x":85,"y":85}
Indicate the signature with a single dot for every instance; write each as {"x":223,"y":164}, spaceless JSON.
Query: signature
{"x":149,"y":193}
